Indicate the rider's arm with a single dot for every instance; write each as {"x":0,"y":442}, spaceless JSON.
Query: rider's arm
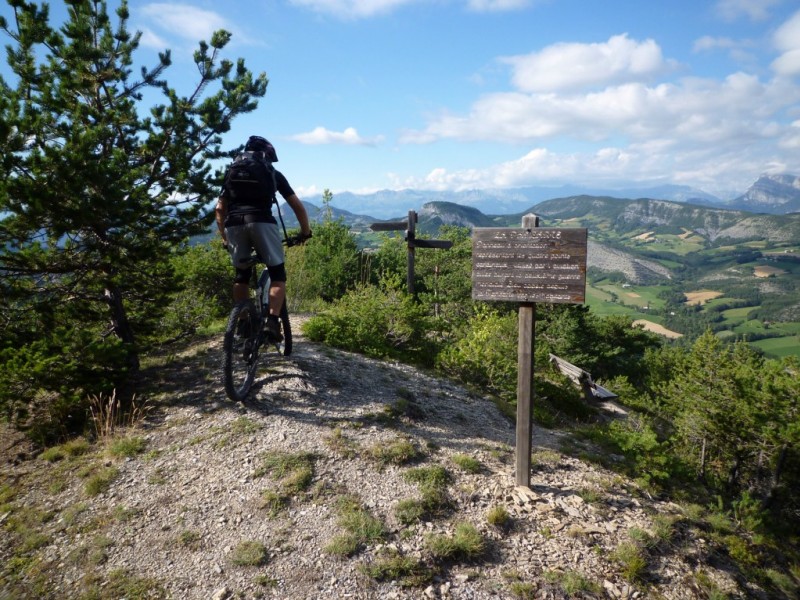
{"x":220,"y":213}
{"x":300,"y":212}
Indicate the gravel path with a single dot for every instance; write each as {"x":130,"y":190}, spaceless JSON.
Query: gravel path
{"x":179,"y":514}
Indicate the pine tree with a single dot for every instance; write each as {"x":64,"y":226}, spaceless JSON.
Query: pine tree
{"x":97,"y":189}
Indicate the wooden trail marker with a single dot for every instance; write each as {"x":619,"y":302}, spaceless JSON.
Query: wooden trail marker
{"x":412,"y":241}
{"x":528,"y":265}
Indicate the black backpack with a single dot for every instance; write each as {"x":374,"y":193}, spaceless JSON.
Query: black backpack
{"x":251,"y":180}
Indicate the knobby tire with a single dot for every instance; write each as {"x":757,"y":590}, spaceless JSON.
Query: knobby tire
{"x":240,"y":353}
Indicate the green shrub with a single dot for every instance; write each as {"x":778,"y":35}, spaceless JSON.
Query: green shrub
{"x":378,"y":321}
{"x":205,"y":276}
{"x":487,"y":354}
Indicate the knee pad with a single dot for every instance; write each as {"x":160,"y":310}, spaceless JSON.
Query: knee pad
{"x":243,"y":275}
{"x":277,"y":272}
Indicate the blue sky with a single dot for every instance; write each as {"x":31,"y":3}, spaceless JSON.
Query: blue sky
{"x":462,"y":94}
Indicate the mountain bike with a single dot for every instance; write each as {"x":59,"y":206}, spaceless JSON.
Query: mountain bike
{"x":246,"y":335}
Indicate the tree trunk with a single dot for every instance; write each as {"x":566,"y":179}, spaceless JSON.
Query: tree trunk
{"x":122,"y":328}
{"x":733,"y":474}
{"x":702,"y":474}
{"x":776,"y":476}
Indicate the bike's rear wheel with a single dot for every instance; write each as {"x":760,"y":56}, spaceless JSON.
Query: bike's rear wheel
{"x":240,"y":350}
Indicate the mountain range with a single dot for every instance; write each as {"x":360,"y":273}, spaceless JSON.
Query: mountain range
{"x":781,"y":223}
{"x":772,"y":194}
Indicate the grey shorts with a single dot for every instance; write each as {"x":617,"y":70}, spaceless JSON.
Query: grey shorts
{"x":264,"y":237}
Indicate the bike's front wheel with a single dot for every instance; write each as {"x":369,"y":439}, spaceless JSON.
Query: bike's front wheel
{"x":286,"y":346}
{"x":240,"y":350}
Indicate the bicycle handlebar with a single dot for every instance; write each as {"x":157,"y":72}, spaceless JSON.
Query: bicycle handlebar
{"x":295,"y":240}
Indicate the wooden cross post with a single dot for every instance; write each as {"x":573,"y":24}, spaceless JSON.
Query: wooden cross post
{"x":411,"y":238}
{"x":525,"y":390}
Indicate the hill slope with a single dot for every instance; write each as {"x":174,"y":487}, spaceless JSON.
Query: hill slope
{"x":176,"y":519}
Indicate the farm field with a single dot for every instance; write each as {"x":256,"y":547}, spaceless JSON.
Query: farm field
{"x":680,"y":245}
{"x":601,"y":303}
{"x":700,"y":297}
{"x":779,"y":347}
{"x":637,"y":296}
{"x":659,"y":329}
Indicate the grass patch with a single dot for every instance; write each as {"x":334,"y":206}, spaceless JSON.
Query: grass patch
{"x":466,"y":543}
{"x":498,"y":516}
{"x":432,"y":482}
{"x":340,"y":444}
{"x":630,"y":558}
{"x":294,"y":471}
{"x":360,"y":528}
{"x":572,"y":582}
{"x":127,"y":446}
{"x":191,"y":540}
{"x":273,"y":502}
{"x":404,"y":570}
{"x":70,"y":449}
{"x":249,"y":554}
{"x":434,"y":476}
{"x":522,"y":590}
{"x":122,"y":584}
{"x":100,"y":481}
{"x":398,"y":452}
{"x":244,"y":426}
{"x":468,"y":464}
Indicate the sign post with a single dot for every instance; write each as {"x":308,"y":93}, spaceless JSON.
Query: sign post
{"x":528,"y":265}
{"x":411,"y":238}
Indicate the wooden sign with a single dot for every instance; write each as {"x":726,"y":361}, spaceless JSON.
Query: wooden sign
{"x":528,"y":265}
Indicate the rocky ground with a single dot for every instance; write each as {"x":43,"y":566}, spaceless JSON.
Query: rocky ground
{"x":200,"y":508}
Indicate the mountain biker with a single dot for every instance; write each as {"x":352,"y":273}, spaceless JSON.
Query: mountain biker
{"x":245,"y":226}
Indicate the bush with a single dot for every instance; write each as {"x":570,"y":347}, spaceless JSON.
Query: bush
{"x":487,"y":354}
{"x":378,"y":321}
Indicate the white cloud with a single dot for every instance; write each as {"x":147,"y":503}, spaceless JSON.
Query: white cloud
{"x":360,"y":9}
{"x":496,"y":5}
{"x":708,"y":42}
{"x":321,"y":135}
{"x":188,"y":22}
{"x":787,"y":40}
{"x":735,"y":110}
{"x":755,"y":10}
{"x":573,"y":66}
{"x":352,"y":8}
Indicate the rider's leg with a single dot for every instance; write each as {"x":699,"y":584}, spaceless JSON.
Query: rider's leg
{"x":277,"y":293}
{"x":241,"y":291}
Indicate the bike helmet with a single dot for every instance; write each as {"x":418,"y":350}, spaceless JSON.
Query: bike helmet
{"x":256,"y":143}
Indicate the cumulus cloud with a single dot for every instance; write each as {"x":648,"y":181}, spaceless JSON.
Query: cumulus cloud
{"x":352,"y":8}
{"x":787,"y":41}
{"x":755,"y":10}
{"x":188,"y":22}
{"x":359,"y":9}
{"x":573,"y":66}
{"x":321,"y":135}
{"x":596,"y":92}
{"x":708,"y":42}
{"x":496,"y":5}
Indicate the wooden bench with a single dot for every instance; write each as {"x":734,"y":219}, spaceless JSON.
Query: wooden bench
{"x":583,"y":379}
